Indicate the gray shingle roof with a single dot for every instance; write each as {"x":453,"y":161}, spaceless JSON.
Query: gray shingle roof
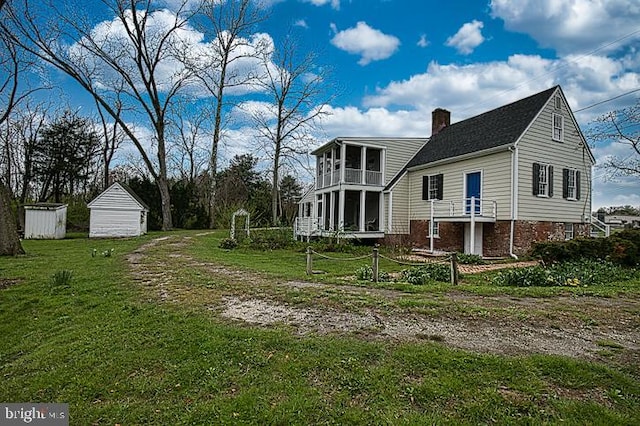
{"x":498,"y":127}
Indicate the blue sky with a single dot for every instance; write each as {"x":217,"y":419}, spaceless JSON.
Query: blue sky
{"x":397,"y":60}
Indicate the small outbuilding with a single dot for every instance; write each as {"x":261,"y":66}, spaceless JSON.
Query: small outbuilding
{"x":117,"y":212}
{"x":45,"y":221}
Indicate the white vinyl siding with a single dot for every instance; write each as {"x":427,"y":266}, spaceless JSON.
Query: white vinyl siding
{"x":496,"y":183}
{"x":114,"y":223}
{"x":398,"y":153}
{"x":400,"y":207}
{"x":45,"y":223}
{"x":536,"y":147}
{"x":116,"y":213}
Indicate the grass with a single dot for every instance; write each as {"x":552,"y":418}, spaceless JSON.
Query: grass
{"x":117,"y":355}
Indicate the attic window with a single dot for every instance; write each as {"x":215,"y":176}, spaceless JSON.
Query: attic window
{"x":558,"y":127}
{"x":557,"y":103}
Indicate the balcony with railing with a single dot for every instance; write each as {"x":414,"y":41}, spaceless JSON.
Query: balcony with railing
{"x":464,"y":210}
{"x":351,"y":177}
{"x":356,"y":165}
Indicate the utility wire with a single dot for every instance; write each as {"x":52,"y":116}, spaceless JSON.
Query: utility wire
{"x":559,"y":67}
{"x":606,"y":100}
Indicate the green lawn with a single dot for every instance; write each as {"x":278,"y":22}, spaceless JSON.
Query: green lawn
{"x":119,"y":356}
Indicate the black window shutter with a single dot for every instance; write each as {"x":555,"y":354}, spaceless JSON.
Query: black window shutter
{"x":565,"y":183}
{"x":577,"y":185}
{"x":439,"y":184}
{"x":536,"y":178}
{"x":550,"y":180}
{"x":425,"y":187}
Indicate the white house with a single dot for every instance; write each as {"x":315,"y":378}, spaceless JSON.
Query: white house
{"x":45,"y":221}
{"x":117,"y":212}
{"x":485,"y":185}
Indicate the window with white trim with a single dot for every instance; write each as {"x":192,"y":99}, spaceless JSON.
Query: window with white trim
{"x":570,"y":184}
{"x":558,"y":127}
{"x":432,"y":187}
{"x":434,"y":229}
{"x":542,"y":180}
{"x":568,"y":231}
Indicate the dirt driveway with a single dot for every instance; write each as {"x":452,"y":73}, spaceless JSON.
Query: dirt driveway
{"x":586,"y":327}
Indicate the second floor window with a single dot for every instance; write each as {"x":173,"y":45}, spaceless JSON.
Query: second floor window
{"x":558,"y":127}
{"x":542,"y":180}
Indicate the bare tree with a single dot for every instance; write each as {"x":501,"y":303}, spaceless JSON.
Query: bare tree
{"x":112,"y":137}
{"x":189,"y":131}
{"x":226,"y":64}
{"x":298,"y":94}
{"x":124,"y":60}
{"x":622,"y":127}
{"x":19,"y":138}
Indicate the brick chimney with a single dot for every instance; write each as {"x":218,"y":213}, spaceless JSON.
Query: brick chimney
{"x":440,"y":118}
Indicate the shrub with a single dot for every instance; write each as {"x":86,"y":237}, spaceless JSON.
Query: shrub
{"x":228,"y":244}
{"x":427,"y":273}
{"x":622,"y":248}
{"x":270,"y":239}
{"x":575,"y":273}
{"x":470,"y":259}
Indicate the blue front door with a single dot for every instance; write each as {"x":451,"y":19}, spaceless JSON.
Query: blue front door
{"x":473,"y":185}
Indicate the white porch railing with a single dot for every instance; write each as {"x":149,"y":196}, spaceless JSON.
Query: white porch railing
{"x":464,"y":208}
{"x":373,"y":178}
{"x":599,"y":228}
{"x":351,"y":176}
{"x":306,"y":226}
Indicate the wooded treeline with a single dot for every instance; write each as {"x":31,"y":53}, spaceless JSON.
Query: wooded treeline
{"x":171,"y":84}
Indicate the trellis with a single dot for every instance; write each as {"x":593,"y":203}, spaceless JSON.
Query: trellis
{"x":241,"y":212}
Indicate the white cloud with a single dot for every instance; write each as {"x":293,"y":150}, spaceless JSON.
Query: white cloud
{"x":468,"y":37}
{"x":571,"y":25}
{"x":369,"y":43}
{"x":350,"y":121}
{"x":334,"y":3}
{"x":423,"y":42}
{"x":474,"y":88}
{"x":301,"y":23}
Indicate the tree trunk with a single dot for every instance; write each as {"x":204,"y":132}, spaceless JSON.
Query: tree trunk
{"x":163,"y":186}
{"x":9,"y":241}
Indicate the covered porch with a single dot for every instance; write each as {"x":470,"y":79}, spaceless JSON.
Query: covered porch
{"x":347,"y":213}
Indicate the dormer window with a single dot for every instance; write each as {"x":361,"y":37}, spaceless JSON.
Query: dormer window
{"x":558,"y":127}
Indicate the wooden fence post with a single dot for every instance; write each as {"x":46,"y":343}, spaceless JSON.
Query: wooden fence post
{"x":454,"y":268}
{"x":309,"y":261}
{"x":374,"y":265}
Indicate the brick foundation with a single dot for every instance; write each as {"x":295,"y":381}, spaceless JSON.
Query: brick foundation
{"x":495,"y":235}
{"x":451,"y":236}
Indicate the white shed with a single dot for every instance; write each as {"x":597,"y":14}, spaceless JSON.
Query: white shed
{"x":117,"y":212}
{"x":45,"y":221}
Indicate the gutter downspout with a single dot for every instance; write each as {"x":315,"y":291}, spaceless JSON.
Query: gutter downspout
{"x":514,"y":197}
